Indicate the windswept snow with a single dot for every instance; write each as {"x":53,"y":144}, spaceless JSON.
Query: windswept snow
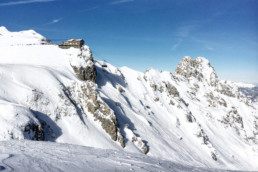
{"x":189,"y":117}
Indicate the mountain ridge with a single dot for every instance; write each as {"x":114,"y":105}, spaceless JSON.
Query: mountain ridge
{"x":189,"y":117}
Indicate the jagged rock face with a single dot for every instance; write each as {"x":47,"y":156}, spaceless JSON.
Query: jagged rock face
{"x":232,"y":90}
{"x":84,"y":66}
{"x":88,"y":73}
{"x":85,"y":97}
{"x":75,"y":100}
{"x":102,"y":113}
{"x":214,"y":101}
{"x":198,"y":68}
{"x":226,"y":89}
{"x":172,"y":91}
{"x":34,"y":132}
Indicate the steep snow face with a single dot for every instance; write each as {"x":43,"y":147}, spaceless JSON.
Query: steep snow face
{"x":27,"y":37}
{"x":66,"y":96}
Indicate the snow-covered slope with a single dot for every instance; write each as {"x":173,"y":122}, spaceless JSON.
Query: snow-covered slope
{"x":28,"y":37}
{"x":47,"y":156}
{"x":189,"y":117}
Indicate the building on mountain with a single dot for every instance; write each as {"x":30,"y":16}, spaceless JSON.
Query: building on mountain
{"x":76,"y":43}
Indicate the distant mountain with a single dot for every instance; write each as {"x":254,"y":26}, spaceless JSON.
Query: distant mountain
{"x":189,"y":117}
{"x":251,"y":92}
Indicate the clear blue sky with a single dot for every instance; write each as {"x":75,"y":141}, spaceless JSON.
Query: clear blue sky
{"x":150,"y":33}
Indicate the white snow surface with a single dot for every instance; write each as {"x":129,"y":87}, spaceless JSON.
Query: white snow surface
{"x":28,"y":37}
{"x":188,"y":128}
{"x":46,"y":156}
{"x":242,"y":85}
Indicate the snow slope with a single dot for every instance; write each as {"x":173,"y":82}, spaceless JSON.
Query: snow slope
{"x":182,"y":123}
{"x":47,"y":156}
{"x":28,"y":37}
{"x":189,"y":117}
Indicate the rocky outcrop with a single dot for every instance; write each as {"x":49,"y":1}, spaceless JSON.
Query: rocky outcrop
{"x":34,"y":132}
{"x":234,"y":119}
{"x":172,"y":91}
{"x":88,"y":73}
{"x":198,"y":68}
{"x":86,"y":96}
{"x":102,"y":113}
{"x":226,"y":89}
{"x":83,"y":65}
{"x":214,"y":101}
{"x":138,"y":142}
{"x":190,"y":117}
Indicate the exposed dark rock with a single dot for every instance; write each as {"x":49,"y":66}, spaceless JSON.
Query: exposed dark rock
{"x":232,"y":118}
{"x":153,"y":86}
{"x":178,"y":122}
{"x":213,"y":155}
{"x":226,"y":90}
{"x":103,"y":114}
{"x":156,"y":99}
{"x":204,"y":137}
{"x":120,"y":89}
{"x":172,"y":91}
{"x":145,"y":149}
{"x":188,"y":67}
{"x":189,"y":117}
{"x":222,"y":102}
{"x":215,"y":100}
{"x":138,"y":141}
{"x":34,"y":132}
{"x":183,"y":101}
{"x":145,"y":78}
{"x":171,"y":103}
{"x":87,"y":70}
{"x":88,"y":73}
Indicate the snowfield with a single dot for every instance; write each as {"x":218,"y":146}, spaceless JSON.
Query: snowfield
{"x":70,"y":100}
{"x":47,"y":156}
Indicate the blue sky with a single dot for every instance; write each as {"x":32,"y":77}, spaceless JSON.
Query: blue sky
{"x":150,"y":33}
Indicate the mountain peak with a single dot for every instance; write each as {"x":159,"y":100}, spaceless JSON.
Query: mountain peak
{"x":3,"y":29}
{"x":26,"y":37}
{"x":199,"y":68}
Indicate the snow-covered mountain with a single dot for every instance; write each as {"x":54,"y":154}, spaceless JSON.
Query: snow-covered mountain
{"x":251,"y":92}
{"x":28,"y":37}
{"x":189,"y":117}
